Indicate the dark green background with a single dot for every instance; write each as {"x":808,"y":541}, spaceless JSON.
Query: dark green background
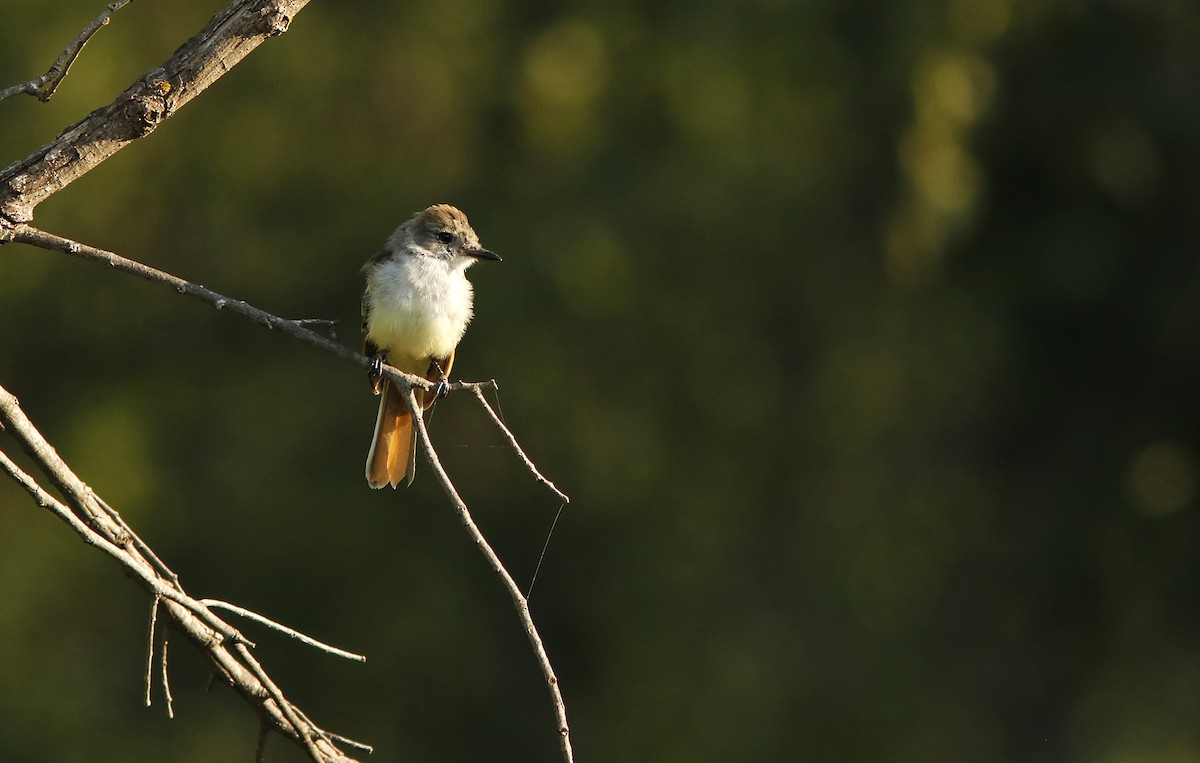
{"x":864,"y":336}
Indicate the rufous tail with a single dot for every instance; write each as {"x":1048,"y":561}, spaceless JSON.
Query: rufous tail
{"x":393,"y":455}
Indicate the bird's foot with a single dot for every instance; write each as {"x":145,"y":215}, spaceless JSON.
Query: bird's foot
{"x":442,"y":387}
{"x":375,"y":372}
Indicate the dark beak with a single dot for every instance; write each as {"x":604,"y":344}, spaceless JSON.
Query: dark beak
{"x":482,"y":254}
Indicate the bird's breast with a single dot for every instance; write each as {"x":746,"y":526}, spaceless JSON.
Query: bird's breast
{"x":419,"y":309}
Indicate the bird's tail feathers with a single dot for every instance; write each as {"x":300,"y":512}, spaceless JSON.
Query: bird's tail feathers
{"x":393,"y":455}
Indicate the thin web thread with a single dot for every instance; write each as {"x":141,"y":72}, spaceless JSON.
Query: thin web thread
{"x":546,"y":545}
{"x":499,"y":408}
{"x":557,"y":514}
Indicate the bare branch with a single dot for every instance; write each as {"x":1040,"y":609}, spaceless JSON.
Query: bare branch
{"x":336,"y":738}
{"x":43,"y":87}
{"x":26,"y":234}
{"x":96,"y":525}
{"x":228,"y":37}
{"x":153,"y":630}
{"x":283,"y":629}
{"x":519,"y":600}
{"x":166,"y":678}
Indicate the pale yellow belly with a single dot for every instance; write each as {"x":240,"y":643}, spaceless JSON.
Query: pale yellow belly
{"x":417,"y":314}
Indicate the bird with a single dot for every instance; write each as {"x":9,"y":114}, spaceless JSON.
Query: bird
{"x":415,"y":308}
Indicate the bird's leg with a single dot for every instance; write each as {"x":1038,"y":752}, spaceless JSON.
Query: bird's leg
{"x":442,"y":388}
{"x":375,"y":371}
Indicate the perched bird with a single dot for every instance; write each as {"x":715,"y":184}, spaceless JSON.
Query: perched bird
{"x":416,"y":306}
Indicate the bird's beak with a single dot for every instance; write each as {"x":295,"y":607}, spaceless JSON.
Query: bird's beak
{"x":482,"y":254}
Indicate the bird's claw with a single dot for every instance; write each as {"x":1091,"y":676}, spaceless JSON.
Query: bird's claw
{"x":375,"y":372}
{"x":442,"y":387}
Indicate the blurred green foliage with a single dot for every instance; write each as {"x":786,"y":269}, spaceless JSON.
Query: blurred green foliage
{"x":865,"y":338}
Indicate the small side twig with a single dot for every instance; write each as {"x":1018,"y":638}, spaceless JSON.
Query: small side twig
{"x":512,"y":441}
{"x":150,"y":648}
{"x":43,"y":87}
{"x":250,"y":615}
{"x":329,"y":326}
{"x":333,"y":737}
{"x":351,"y":742}
{"x":166,"y":679}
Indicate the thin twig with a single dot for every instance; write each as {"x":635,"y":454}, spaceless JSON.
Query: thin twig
{"x":43,"y":87}
{"x":166,"y":678}
{"x":330,"y":326}
{"x":512,"y":441}
{"x":283,"y":629}
{"x":351,"y":742}
{"x":329,"y":735}
{"x":150,"y":648}
{"x":27,"y":234}
{"x":519,"y":600}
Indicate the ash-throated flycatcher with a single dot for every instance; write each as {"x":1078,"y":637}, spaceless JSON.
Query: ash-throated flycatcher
{"x":415,"y":310}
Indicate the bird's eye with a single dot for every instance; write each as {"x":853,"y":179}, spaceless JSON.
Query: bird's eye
{"x":445,"y":236}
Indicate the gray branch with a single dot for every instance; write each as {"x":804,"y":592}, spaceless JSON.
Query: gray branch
{"x":249,"y":615}
{"x":228,"y":37}
{"x":297,"y":329}
{"x":98,"y":525}
{"x":43,"y":87}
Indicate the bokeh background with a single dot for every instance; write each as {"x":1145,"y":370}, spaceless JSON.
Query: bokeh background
{"x":864,"y":336}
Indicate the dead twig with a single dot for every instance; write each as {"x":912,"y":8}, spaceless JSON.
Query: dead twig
{"x":166,"y":679}
{"x":283,"y":629}
{"x":150,"y":648}
{"x":297,"y":329}
{"x":43,"y":87}
{"x":512,"y":440}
